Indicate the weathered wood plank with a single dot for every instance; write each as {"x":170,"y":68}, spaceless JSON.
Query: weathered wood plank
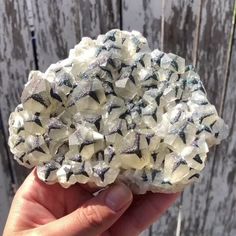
{"x":147,"y":18}
{"x":224,"y":199}
{"x":180,"y":32}
{"x":59,"y":25}
{"x":57,"y":29}
{"x":182,"y":36}
{"x":5,"y":184}
{"x":144,"y":16}
{"x":181,"y":27}
{"x":203,"y":202}
{"x":16,"y":58}
{"x":212,"y":51}
{"x":104,"y":15}
{"x":16,"y":61}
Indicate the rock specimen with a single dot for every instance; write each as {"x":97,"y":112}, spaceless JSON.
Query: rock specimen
{"x":116,"y":111}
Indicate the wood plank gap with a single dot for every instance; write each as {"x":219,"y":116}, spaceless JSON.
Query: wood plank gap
{"x":228,"y":61}
{"x":209,"y":188}
{"x":162,"y":24}
{"x":197,"y":37}
{"x":34,"y":47}
{"x":150,"y":231}
{"x":10,"y":168}
{"x":179,"y":218}
{"x":121,"y":14}
{"x":32,"y":31}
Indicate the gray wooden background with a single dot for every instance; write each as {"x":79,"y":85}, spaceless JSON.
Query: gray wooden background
{"x":36,"y":33}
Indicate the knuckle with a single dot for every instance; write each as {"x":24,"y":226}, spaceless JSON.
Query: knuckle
{"x":92,"y":216}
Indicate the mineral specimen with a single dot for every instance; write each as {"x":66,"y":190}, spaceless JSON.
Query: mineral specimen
{"x":116,"y":111}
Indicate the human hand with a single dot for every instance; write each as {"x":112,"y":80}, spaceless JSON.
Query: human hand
{"x":40,"y":209}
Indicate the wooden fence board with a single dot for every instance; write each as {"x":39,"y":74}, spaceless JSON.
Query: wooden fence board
{"x":56,"y":25}
{"x":59,"y":25}
{"x":5,"y":184}
{"x":187,"y":25}
{"x":181,"y":27}
{"x":147,"y":18}
{"x":214,"y":32}
{"x":144,"y":16}
{"x":180,"y":33}
{"x":202,"y":201}
{"x":16,"y":59}
{"x":225,"y":168}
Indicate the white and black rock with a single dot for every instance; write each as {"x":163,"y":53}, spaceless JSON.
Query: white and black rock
{"x":116,"y":111}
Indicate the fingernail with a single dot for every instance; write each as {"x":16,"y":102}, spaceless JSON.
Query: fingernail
{"x":118,"y":197}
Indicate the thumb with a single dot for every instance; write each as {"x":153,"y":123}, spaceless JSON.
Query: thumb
{"x":95,"y":216}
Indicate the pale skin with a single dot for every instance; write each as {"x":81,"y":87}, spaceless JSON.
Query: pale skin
{"x":40,"y":209}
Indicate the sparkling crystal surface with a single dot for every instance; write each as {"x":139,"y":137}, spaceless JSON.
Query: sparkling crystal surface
{"x":116,"y":111}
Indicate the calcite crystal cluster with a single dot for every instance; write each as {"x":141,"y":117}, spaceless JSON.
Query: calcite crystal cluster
{"x":116,"y":111}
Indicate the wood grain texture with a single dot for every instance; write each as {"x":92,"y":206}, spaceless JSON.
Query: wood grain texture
{"x":147,"y":18}
{"x":225,"y":168}
{"x":194,"y":30}
{"x":59,"y":25}
{"x":5,"y":184}
{"x":214,"y":35}
{"x":144,"y":16}
{"x":202,"y":202}
{"x":104,"y":15}
{"x":56,"y":28}
{"x":180,"y":27}
{"x":180,"y":33}
{"x":16,"y":60}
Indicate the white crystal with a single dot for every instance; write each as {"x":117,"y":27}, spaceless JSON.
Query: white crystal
{"x":114,"y":110}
